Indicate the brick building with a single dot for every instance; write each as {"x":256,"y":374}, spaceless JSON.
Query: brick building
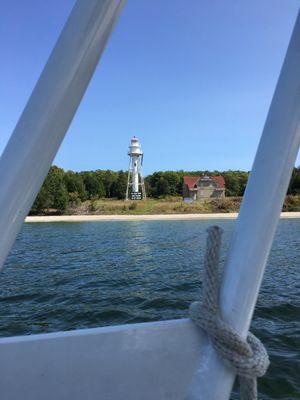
{"x":203,"y":187}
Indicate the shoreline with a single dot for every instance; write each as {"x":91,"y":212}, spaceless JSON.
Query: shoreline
{"x":145,"y":217}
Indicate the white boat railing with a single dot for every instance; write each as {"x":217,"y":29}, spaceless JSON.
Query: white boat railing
{"x":48,"y":114}
{"x":257,"y":222}
{"x":43,"y":124}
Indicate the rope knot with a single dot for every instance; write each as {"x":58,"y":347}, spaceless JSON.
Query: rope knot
{"x":248,"y":357}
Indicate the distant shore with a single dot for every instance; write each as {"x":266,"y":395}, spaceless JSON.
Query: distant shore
{"x":153,"y":217}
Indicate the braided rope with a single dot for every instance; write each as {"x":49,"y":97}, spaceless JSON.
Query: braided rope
{"x":248,"y":358}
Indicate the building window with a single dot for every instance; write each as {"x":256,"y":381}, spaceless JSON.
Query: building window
{"x":204,"y":184}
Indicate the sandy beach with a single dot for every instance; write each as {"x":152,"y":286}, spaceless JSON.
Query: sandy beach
{"x":163,"y":217}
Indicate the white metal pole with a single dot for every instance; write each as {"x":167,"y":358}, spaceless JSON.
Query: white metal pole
{"x":128,"y":181}
{"x":49,"y":111}
{"x":135,"y":174}
{"x":257,"y":222}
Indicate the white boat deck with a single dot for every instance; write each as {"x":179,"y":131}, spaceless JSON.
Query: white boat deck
{"x":138,"y":362}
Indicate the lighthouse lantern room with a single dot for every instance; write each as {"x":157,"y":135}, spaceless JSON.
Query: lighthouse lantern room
{"x":135,"y":183}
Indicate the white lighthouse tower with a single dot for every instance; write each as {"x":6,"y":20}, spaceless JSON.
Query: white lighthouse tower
{"x":135,"y":183}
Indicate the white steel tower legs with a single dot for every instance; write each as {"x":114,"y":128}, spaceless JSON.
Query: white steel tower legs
{"x":135,"y":182}
{"x":135,"y":174}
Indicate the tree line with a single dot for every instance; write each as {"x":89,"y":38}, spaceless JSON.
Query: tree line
{"x":62,"y":189}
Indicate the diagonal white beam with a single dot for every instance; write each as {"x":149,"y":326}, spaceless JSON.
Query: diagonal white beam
{"x":257,"y":222}
{"x":44,"y":122}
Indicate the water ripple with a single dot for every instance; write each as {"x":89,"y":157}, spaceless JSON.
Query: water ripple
{"x":66,"y":276}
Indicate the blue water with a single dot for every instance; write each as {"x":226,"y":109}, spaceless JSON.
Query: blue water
{"x":63,"y":276}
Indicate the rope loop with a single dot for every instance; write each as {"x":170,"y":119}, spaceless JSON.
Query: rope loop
{"x":248,"y":358}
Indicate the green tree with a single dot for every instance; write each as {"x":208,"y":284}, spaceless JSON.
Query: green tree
{"x":108,"y":178}
{"x":119,"y":186}
{"x":58,"y":194}
{"x":42,"y":201}
{"x":235,"y":182}
{"x":294,"y":186}
{"x":53,"y":193}
{"x":163,"y":187}
{"x":75,"y":186}
{"x":61,"y":198}
{"x":93,"y":184}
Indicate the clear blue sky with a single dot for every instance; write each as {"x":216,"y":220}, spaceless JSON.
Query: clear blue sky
{"x":192,"y":79}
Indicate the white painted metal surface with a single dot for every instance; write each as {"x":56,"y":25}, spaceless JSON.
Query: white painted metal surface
{"x":49,"y":112}
{"x":257,"y":221}
{"x":134,"y":362}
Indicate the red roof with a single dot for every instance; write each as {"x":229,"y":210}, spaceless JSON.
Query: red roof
{"x":191,"y":181}
{"x":219,"y":181}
